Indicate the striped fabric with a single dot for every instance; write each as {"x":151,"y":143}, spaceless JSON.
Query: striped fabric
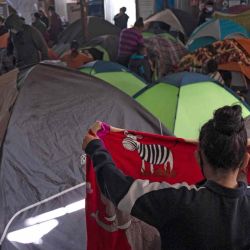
{"x":217,"y":77}
{"x":151,"y":153}
{"x":129,"y":41}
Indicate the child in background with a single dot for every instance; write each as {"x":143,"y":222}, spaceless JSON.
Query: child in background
{"x":140,"y":64}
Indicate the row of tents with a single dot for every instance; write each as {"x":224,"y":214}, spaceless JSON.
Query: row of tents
{"x":169,"y":50}
{"x":43,"y":122}
{"x":175,"y":100}
{"x":162,"y":22}
{"x":46,"y":110}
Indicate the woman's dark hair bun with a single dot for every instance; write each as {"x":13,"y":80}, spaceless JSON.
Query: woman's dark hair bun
{"x":228,"y":120}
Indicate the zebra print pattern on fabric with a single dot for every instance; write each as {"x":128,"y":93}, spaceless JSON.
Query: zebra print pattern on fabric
{"x":154,"y":154}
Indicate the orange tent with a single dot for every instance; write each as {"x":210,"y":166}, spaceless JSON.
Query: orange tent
{"x":244,"y":43}
{"x":238,"y":66}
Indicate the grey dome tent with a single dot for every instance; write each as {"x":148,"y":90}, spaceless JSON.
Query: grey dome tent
{"x":41,"y":179}
{"x":97,"y":26}
{"x":109,"y":43}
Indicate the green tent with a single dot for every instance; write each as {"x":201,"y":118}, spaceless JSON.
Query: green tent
{"x":184,"y":108}
{"x":116,"y":75}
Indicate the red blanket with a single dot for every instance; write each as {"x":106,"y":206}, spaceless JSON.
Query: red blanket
{"x":110,"y":229}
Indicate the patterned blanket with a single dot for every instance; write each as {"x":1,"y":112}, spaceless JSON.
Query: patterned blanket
{"x":167,"y":53}
{"x":226,"y":51}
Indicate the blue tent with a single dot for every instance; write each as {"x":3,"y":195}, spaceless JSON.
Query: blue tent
{"x":214,"y":30}
{"x":184,"y":78}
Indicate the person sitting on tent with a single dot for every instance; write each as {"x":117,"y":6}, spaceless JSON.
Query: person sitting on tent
{"x":207,"y":12}
{"x":75,"y":59}
{"x":40,"y":26}
{"x":121,"y":19}
{"x":129,"y":41}
{"x":139,"y":64}
{"x":212,"y":71}
{"x":29,"y":45}
{"x":213,"y":215}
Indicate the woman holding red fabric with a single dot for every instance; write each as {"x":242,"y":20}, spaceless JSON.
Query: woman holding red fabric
{"x":213,"y":215}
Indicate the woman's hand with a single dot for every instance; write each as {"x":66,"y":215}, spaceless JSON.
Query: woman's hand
{"x":91,"y":134}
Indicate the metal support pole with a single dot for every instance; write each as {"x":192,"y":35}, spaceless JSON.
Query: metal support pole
{"x":84,"y":18}
{"x":165,"y":4}
{"x":137,"y":9}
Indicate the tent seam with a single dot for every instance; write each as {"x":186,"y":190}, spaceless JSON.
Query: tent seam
{"x":178,"y":96}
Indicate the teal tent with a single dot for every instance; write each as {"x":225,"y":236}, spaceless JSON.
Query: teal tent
{"x":213,"y":30}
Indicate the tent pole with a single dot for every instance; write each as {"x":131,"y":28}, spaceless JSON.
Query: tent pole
{"x":84,"y":17}
{"x":165,"y":4}
{"x":137,"y":8}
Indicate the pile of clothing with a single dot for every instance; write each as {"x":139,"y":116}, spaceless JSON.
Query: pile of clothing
{"x":226,"y":51}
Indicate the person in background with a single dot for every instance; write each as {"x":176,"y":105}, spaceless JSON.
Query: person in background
{"x":207,"y":12}
{"x":40,"y":26}
{"x":55,"y":24}
{"x":212,"y":215}
{"x":225,"y":6}
{"x":243,"y":2}
{"x":227,"y":77}
{"x":129,"y":40}
{"x":6,"y":61}
{"x":44,"y":17}
{"x":139,"y":64}
{"x":28,"y":43}
{"x":213,"y":72}
{"x":3,"y":29}
{"x":22,"y":19}
{"x":4,"y":35}
{"x":75,"y":59}
{"x":121,"y":19}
